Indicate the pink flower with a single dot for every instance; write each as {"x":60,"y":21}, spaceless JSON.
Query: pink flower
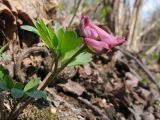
{"x":98,"y":39}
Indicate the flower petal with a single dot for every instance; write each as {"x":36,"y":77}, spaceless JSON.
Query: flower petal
{"x":114,"y":41}
{"x":86,"y":29}
{"x":97,"y":38}
{"x":102,"y":34}
{"x":98,"y":46}
{"x":84,"y":20}
{"x":90,"y":33}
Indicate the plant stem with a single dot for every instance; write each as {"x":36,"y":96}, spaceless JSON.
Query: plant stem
{"x":83,"y":47}
{"x":48,"y":79}
{"x":76,"y":10}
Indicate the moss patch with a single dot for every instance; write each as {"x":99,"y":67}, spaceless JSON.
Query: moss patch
{"x":33,"y":113}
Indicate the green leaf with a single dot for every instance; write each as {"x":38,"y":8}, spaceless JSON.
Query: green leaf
{"x":2,"y":87}
{"x":17,"y":93}
{"x":67,"y":56}
{"x":69,"y":42}
{"x":37,"y":94}
{"x":106,"y":11}
{"x":44,"y":36}
{"x":19,"y":85}
{"x":81,"y":59}
{"x":47,"y":34}
{"x":53,"y":36}
{"x":155,"y":56}
{"x":3,"y":48}
{"x":5,"y":79}
{"x":30,"y":29}
{"x":60,"y":34}
{"x":31,"y":85}
{"x":8,"y":82}
{"x":2,"y":72}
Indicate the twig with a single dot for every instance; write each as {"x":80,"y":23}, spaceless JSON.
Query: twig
{"x":94,"y":108}
{"x":78,"y":4}
{"x":56,"y":97}
{"x":142,"y":66}
{"x":146,"y":30}
{"x":96,"y":8}
{"x":153,"y":48}
{"x":1,"y":106}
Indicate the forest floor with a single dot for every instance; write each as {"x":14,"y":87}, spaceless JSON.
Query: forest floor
{"x":116,"y":86}
{"x":112,"y":86}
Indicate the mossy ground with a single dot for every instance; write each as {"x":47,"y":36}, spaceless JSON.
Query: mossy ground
{"x":34,"y":113}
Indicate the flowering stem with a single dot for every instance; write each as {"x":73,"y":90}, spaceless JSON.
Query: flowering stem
{"x":48,"y":79}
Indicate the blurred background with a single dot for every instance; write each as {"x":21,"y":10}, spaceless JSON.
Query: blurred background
{"x":138,"y":20}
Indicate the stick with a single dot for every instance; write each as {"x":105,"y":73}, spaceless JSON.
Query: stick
{"x":146,"y":30}
{"x":142,"y":66}
{"x":94,"y":108}
{"x":1,"y":106}
{"x":153,"y":48}
{"x":78,"y":4}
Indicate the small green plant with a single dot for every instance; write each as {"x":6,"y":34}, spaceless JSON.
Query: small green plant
{"x":63,"y":43}
{"x":17,"y":89}
{"x":67,"y":48}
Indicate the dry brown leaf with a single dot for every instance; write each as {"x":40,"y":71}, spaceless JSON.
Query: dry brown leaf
{"x":87,"y":69}
{"x":72,"y":87}
{"x":132,"y":81}
{"x":147,"y":116}
{"x":137,"y":111}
